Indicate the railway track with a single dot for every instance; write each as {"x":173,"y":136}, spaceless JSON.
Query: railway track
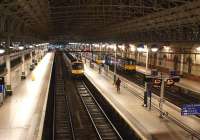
{"x":76,"y":115}
{"x":63,"y":129}
{"x":102,"y":124}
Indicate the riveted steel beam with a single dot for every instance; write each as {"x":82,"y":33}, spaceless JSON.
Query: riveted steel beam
{"x":187,"y":15}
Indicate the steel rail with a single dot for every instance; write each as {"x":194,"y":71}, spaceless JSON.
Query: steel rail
{"x":103,"y":126}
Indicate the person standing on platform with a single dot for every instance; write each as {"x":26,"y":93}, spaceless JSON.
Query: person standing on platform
{"x":118,"y":82}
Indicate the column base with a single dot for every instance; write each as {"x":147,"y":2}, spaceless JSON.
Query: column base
{"x":36,"y":62}
{"x":23,"y":76}
{"x":8,"y":90}
{"x":31,"y":67}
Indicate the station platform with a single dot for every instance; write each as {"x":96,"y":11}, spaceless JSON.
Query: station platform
{"x":145,"y":122}
{"x":21,"y":113}
{"x":184,"y":82}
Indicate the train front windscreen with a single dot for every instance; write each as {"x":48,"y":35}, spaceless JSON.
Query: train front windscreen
{"x":77,"y":66}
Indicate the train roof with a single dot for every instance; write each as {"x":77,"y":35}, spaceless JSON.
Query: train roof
{"x":78,"y":61}
{"x":71,"y":57}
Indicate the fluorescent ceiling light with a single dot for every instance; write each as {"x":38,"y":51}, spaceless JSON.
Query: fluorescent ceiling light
{"x":198,"y":49}
{"x":167,"y":48}
{"x":154,"y":49}
{"x":140,"y":49}
{"x":21,"y":48}
{"x":2,"y":51}
{"x":30,"y":46}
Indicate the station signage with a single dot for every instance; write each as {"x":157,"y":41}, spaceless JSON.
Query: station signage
{"x":170,"y":82}
{"x":190,"y":109}
{"x":157,"y":82}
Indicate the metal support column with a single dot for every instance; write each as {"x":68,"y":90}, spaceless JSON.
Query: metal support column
{"x":31,"y":65}
{"x":147,"y":59}
{"x":8,"y":76}
{"x":146,"y":90}
{"x":23,"y":76}
{"x":181,"y":68}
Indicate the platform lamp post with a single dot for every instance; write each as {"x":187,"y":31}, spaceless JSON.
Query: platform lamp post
{"x":115,"y":66}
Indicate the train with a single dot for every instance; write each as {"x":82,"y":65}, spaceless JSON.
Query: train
{"x":96,"y":58}
{"x":124,"y":64}
{"x":76,"y":66}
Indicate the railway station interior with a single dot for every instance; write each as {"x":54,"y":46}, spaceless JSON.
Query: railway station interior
{"x":99,"y":69}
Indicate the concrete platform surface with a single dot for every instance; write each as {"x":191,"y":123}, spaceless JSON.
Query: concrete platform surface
{"x":140,"y":118}
{"x":20,"y":114}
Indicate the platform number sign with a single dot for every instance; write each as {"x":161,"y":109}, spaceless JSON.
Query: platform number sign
{"x":190,"y":109}
{"x":170,"y":82}
{"x":157,"y":82}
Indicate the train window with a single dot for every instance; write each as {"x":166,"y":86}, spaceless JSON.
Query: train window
{"x":77,"y":66}
{"x":130,"y":62}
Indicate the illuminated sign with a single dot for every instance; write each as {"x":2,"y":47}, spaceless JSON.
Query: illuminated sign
{"x":170,"y":82}
{"x":157,"y":82}
{"x":190,"y":109}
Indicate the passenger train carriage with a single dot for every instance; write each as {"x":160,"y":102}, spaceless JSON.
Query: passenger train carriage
{"x":125,"y":64}
{"x":76,"y":66}
{"x":99,"y":59}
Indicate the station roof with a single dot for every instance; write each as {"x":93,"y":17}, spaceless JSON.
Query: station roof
{"x":100,"y":20}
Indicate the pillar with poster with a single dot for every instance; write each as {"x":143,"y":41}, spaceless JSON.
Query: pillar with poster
{"x":2,"y":90}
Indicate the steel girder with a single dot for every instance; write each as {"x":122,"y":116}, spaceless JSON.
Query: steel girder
{"x":29,"y":16}
{"x":76,"y":16}
{"x":177,"y":24}
{"x":89,"y":19}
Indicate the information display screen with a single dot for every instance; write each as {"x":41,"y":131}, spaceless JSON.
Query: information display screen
{"x":190,"y":109}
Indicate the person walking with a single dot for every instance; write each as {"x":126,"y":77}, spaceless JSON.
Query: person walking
{"x":118,"y":82}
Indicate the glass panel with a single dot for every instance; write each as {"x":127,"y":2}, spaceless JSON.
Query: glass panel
{"x":77,"y":66}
